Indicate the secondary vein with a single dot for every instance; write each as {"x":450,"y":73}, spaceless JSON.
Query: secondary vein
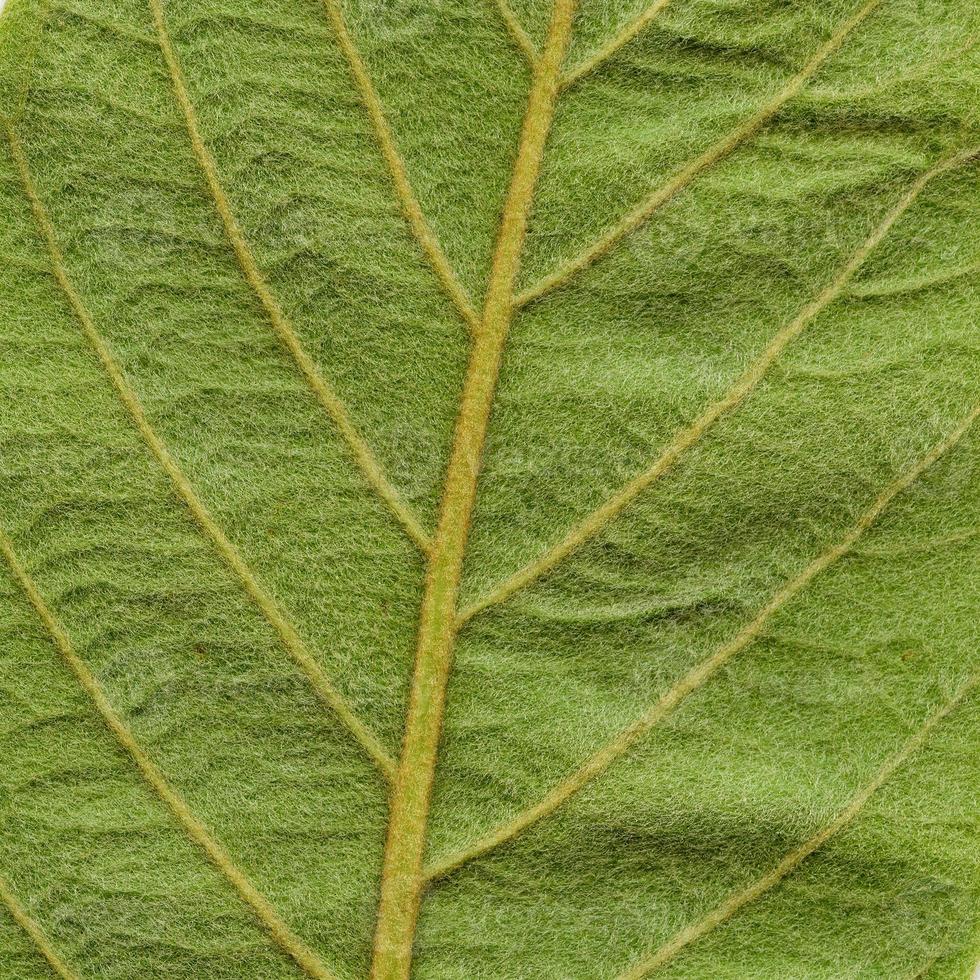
{"x":622,"y":38}
{"x":618,"y":746}
{"x":328,"y":399}
{"x":518,"y":34}
{"x":799,"y":854}
{"x":284,"y":937}
{"x":411,"y":208}
{"x":688,"y":437}
{"x":23,"y":918}
{"x":184,"y":489}
{"x":694,"y":168}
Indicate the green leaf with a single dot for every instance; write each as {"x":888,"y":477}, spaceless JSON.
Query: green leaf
{"x":489,"y":489}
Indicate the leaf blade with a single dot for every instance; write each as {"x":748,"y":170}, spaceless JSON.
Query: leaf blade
{"x":593,"y":379}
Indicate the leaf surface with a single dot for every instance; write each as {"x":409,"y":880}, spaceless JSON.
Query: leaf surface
{"x":489,"y":489}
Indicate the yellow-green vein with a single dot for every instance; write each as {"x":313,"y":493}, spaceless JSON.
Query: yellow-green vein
{"x":604,"y":757}
{"x":912,"y":285}
{"x":284,"y":937}
{"x":269,"y":608}
{"x":23,"y":918}
{"x":942,"y":542}
{"x":590,"y":526}
{"x":328,"y":399}
{"x":518,"y":34}
{"x":798,"y":855}
{"x":402,"y":879}
{"x":622,"y":38}
{"x":715,"y":153}
{"x":424,"y":235}
{"x":903,"y":76}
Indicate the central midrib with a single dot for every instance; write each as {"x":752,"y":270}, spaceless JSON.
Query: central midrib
{"x":402,"y":879}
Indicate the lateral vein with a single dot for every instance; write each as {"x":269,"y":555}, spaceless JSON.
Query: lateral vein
{"x":411,"y":208}
{"x":736,"y":394}
{"x":604,"y":757}
{"x":284,"y":937}
{"x":362,"y":454}
{"x":714,"y":154}
{"x":799,"y":854}
{"x":277,"y":619}
{"x":23,"y":918}
{"x":518,"y":34}
{"x":622,"y":38}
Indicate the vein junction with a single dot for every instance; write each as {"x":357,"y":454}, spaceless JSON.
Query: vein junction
{"x":743,"y":386}
{"x":404,"y":877}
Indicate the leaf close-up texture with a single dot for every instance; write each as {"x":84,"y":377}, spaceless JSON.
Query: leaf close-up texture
{"x":490,"y":489}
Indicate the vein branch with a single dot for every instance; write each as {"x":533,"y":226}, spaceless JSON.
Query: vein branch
{"x":35,"y":933}
{"x":402,"y":881}
{"x":518,"y":34}
{"x":609,"y":753}
{"x":622,"y":38}
{"x":799,"y":854}
{"x":284,"y":937}
{"x":270,"y":609}
{"x":713,"y":155}
{"x":329,"y":400}
{"x":411,"y":208}
{"x":736,"y":394}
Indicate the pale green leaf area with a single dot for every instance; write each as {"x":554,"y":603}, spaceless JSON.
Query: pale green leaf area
{"x":490,"y":490}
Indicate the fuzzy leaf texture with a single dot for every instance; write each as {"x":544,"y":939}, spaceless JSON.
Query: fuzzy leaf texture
{"x":490,"y":489}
